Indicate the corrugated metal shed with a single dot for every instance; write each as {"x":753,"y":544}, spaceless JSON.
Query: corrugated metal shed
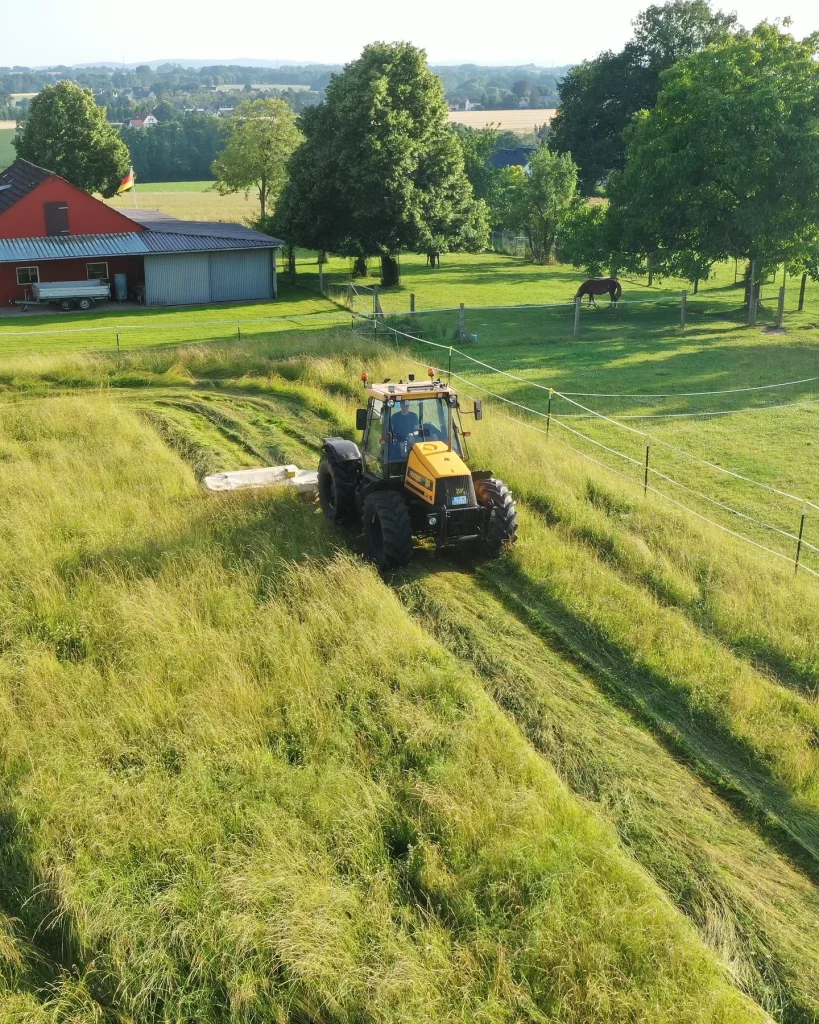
{"x":138,"y":243}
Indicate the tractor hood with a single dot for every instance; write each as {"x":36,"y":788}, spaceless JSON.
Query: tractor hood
{"x":436,"y":460}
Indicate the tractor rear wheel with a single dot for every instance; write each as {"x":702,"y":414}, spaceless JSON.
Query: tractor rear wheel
{"x":336,"y":489}
{"x":503,"y":528}
{"x":387,"y":529}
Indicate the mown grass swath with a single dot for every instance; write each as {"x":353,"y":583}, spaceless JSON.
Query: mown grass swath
{"x":223,"y":795}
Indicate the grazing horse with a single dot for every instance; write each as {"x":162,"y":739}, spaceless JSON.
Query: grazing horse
{"x":599,"y":286}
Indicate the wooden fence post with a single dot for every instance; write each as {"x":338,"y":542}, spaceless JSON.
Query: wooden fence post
{"x":799,"y":541}
{"x":321,"y":279}
{"x":780,"y":312}
{"x":645,"y":478}
{"x":412,"y":304}
{"x":683,"y":304}
{"x":802,"y":291}
{"x":752,"y":295}
{"x":576,"y":331}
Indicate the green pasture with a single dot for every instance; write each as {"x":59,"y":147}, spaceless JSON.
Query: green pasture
{"x":8,"y":154}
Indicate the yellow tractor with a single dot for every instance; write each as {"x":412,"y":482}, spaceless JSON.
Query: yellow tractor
{"x":409,"y":476}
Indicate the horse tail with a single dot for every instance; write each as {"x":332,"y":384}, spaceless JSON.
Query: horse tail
{"x":618,"y":291}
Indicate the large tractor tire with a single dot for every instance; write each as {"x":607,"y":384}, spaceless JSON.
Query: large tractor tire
{"x":387,"y":529}
{"x":336,"y":489}
{"x":503,"y":529}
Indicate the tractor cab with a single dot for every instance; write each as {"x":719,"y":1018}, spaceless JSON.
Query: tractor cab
{"x":401,"y":415}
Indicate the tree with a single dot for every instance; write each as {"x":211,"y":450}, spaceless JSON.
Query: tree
{"x":540,"y":200}
{"x":164,"y":111}
{"x":584,"y":239}
{"x":380,"y":171}
{"x":66,"y":132}
{"x":727,"y":164}
{"x":598,"y":98}
{"x":260,"y":139}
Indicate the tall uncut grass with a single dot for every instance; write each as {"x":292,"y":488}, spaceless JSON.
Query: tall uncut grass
{"x":241,"y":783}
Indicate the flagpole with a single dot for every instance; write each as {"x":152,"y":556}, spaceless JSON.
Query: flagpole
{"x":134,"y":189}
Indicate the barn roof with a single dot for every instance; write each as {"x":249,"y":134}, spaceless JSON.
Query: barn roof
{"x":18,"y":180}
{"x":136,"y":243}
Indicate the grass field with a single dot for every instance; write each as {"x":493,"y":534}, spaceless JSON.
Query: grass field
{"x":584,"y":788}
{"x":7,"y":152}
{"x":583,"y":785}
{"x":190,"y":201}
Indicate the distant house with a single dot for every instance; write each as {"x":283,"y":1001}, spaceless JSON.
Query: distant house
{"x":225,"y":111}
{"x":143,"y":121}
{"x":52,"y":231}
{"x":518,"y":157}
{"x":466,"y":105}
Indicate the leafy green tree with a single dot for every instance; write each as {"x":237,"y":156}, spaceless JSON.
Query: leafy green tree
{"x":260,"y":139}
{"x":66,"y":132}
{"x":598,"y":98}
{"x":540,"y":199}
{"x":727,"y":164}
{"x":380,"y":171}
{"x":584,"y":239}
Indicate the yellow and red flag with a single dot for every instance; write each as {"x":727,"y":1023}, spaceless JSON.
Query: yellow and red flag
{"x":127,"y":182}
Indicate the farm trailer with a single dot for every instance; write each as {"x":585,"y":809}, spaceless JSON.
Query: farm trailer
{"x":66,"y":295}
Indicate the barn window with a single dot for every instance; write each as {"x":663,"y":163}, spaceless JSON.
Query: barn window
{"x":56,"y":219}
{"x":28,"y":275}
{"x":97,"y":271}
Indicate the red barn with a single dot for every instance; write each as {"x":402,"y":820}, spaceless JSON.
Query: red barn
{"x":52,"y":231}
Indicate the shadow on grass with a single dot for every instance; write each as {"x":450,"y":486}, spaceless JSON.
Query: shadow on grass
{"x":723,"y":761}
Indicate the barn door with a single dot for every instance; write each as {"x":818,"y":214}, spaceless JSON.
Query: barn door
{"x":56,"y":219}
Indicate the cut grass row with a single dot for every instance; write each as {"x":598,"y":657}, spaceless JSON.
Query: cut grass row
{"x":747,"y":901}
{"x":218,"y":800}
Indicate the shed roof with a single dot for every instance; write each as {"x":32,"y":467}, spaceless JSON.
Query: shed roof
{"x":137,"y":243}
{"x":18,"y":180}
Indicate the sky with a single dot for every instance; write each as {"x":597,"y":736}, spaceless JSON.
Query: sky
{"x":528,"y":31}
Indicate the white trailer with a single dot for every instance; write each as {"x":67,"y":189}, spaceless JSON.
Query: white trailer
{"x":66,"y":295}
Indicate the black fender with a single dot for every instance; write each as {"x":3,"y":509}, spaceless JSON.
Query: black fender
{"x":340,"y":450}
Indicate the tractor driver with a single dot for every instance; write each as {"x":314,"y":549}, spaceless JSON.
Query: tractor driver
{"x":404,"y":422}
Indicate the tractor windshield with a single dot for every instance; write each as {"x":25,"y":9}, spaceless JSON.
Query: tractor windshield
{"x":419,"y":419}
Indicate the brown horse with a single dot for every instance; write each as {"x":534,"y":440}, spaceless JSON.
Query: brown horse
{"x":599,"y":286}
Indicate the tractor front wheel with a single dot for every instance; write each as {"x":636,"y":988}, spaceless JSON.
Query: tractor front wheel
{"x":336,"y":490}
{"x":387,"y":529}
{"x":503,"y":527}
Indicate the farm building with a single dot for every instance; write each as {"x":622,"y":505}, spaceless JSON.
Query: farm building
{"x":52,"y":231}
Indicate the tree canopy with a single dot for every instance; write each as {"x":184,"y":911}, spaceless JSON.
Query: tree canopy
{"x":380,"y":171}
{"x":261,"y":137}
{"x":66,"y":132}
{"x":727,"y":163}
{"x":598,"y":98}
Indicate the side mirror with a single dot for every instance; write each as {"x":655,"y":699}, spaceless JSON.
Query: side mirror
{"x":361,"y":419}
{"x":478,"y":409}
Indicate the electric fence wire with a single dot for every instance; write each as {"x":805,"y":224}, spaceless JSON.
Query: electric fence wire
{"x":557,"y":421}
